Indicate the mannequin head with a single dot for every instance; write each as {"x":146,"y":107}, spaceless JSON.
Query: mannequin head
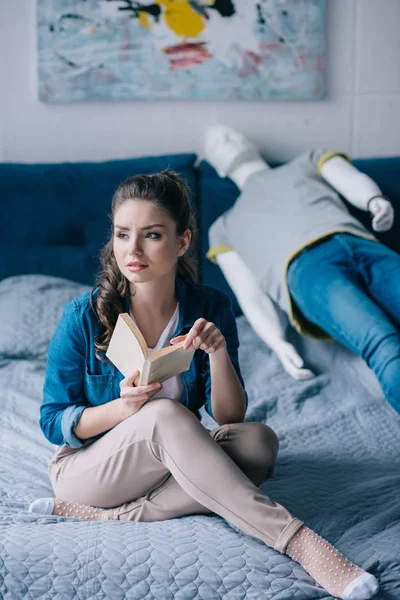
{"x":232,"y":154}
{"x":225,"y":149}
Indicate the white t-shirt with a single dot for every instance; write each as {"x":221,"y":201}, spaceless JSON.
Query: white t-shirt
{"x":173,"y":387}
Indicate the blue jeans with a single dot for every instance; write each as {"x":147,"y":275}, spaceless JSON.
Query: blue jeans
{"x":350,"y":287}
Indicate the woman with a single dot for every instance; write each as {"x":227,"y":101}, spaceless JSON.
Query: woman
{"x":141,"y":452}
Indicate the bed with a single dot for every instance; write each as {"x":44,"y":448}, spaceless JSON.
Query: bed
{"x":338,"y":468}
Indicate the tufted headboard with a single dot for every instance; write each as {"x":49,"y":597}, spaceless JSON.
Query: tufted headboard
{"x":55,"y":217}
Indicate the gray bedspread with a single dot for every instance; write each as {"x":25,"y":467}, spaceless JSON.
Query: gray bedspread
{"x":338,"y":470}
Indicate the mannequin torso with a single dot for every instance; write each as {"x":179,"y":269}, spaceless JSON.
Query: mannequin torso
{"x":233,"y":155}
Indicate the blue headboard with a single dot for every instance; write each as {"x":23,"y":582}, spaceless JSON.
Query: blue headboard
{"x":55,"y":217}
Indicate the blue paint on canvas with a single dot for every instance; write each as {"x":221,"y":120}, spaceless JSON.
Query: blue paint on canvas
{"x":183,"y":49}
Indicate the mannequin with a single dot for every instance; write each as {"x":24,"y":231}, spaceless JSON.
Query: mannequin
{"x":267,"y":298}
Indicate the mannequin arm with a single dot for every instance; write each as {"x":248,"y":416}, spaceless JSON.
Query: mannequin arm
{"x":359,"y":189}
{"x":264,"y":317}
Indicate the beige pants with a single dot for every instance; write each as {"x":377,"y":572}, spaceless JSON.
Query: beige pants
{"x":162,"y":463}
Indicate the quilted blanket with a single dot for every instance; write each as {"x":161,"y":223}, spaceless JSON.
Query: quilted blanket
{"x":338,"y":470}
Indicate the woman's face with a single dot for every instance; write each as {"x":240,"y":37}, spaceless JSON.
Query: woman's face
{"x":147,"y":234}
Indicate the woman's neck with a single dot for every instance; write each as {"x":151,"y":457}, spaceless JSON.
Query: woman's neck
{"x":153,"y":299}
{"x":241,"y":174}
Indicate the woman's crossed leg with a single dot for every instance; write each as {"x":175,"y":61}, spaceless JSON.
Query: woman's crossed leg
{"x":165,"y":459}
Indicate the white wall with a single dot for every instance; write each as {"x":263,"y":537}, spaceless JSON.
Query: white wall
{"x":360,"y":114}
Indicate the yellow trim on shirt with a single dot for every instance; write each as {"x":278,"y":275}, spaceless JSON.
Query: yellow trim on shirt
{"x":325,"y":157}
{"x":214,"y":250}
{"x":298,"y":320}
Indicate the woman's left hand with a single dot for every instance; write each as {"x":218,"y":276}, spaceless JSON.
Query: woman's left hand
{"x":204,"y":335}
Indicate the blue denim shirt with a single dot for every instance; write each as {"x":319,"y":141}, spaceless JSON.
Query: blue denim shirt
{"x":76,"y":379}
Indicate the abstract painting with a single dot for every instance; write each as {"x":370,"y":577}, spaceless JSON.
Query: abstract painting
{"x":92,"y":50}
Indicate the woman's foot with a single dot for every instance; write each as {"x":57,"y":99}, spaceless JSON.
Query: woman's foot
{"x":65,"y":508}
{"x":329,"y":568}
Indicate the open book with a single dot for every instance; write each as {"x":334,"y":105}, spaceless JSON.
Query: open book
{"x":127,"y":350}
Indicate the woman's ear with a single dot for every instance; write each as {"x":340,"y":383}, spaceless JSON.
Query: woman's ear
{"x":184,"y":242}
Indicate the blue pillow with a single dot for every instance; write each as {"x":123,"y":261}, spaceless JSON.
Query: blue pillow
{"x":55,"y":217}
{"x":385,"y":172}
{"x":216,"y":195}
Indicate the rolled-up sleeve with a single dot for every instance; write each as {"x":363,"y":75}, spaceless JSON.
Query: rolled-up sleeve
{"x":63,"y":396}
{"x":225,"y":320}
{"x":218,"y":239}
{"x":319,"y":156}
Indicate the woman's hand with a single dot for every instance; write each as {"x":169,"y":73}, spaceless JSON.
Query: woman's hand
{"x":203,"y":335}
{"x":133,"y":397}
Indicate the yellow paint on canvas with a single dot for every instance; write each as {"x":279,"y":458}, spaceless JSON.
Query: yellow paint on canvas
{"x":143,"y":20}
{"x":181,"y":18}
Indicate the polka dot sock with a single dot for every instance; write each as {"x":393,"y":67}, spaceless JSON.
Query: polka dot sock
{"x":335,"y":573}
{"x":65,"y":508}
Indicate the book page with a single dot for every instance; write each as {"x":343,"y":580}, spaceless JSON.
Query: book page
{"x":124,"y":350}
{"x":168,"y":365}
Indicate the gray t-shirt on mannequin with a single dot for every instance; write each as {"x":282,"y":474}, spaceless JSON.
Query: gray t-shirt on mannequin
{"x":279,"y":212}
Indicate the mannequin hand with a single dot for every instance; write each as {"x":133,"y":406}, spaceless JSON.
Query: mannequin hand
{"x":291,"y":361}
{"x":383,"y":214}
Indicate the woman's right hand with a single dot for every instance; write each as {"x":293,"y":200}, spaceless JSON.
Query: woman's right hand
{"x":134,"y":396}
